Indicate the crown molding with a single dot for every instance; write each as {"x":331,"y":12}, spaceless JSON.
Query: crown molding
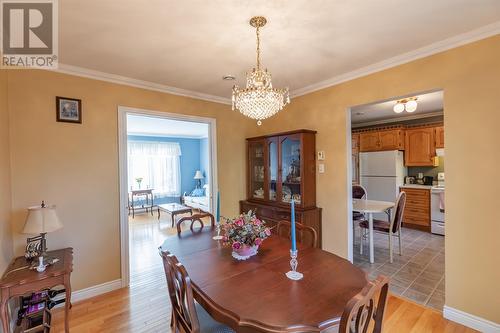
{"x":114,"y":78}
{"x":446,"y":44}
{"x":398,"y":119}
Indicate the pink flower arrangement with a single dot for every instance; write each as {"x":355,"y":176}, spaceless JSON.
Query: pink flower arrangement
{"x":243,"y":231}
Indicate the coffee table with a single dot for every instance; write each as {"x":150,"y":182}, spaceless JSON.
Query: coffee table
{"x":174,"y":209}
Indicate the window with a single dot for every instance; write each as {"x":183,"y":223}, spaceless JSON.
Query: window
{"x":158,"y":164}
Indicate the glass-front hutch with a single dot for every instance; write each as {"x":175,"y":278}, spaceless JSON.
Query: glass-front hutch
{"x":281,"y":168}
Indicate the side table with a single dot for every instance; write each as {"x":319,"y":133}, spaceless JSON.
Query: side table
{"x":19,"y":280}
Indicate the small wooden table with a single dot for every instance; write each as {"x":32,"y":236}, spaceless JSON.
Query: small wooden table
{"x":369,"y":207}
{"x":22,"y":281}
{"x":147,"y":193}
{"x":255,"y":295}
{"x":174,"y":209}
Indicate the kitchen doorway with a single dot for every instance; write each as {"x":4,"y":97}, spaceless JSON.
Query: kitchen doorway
{"x":397,"y":145}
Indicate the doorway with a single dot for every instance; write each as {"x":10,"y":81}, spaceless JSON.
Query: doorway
{"x":165,"y":160}
{"x":397,"y":145}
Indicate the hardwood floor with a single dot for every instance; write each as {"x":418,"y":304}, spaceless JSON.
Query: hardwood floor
{"x":144,"y":306}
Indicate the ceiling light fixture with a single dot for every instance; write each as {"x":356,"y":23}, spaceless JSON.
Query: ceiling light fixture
{"x":259,"y":100}
{"x":228,"y":77}
{"x":409,"y":104}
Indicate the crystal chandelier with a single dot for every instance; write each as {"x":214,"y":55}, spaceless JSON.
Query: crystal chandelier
{"x":259,"y":100}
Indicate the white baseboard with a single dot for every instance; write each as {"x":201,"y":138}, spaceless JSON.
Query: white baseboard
{"x":466,"y":319}
{"x":96,"y":290}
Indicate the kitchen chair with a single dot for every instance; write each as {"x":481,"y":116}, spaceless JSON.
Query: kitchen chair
{"x":187,"y":315}
{"x":311,"y":238}
{"x":195,"y":218}
{"x":366,"y":306}
{"x":358,"y":192}
{"x":392,"y":228}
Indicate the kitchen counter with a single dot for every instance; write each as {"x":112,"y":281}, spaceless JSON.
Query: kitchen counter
{"x":417,"y":186}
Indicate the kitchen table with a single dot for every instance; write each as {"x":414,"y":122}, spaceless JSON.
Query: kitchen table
{"x":370,"y":207}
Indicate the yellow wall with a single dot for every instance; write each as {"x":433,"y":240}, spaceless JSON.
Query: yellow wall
{"x":76,"y":166}
{"x":5,"y":201}
{"x":470,"y":77}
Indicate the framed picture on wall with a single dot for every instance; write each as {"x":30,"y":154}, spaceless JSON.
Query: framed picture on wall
{"x":68,"y":110}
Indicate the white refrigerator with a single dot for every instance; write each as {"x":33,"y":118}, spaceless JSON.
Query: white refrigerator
{"x":381,"y":174}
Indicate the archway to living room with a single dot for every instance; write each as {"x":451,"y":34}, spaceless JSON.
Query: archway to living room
{"x":167,"y":171}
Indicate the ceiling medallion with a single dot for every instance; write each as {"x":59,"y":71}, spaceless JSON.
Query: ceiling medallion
{"x":408,"y":104}
{"x":259,"y":100}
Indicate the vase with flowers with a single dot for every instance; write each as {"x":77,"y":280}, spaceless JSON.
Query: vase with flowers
{"x":244,"y":234}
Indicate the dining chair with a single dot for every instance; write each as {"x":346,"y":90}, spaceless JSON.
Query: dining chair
{"x":365,"y":307}
{"x":312,"y":236}
{"x":187,"y":315}
{"x":391,"y":228}
{"x":193,"y":219}
{"x":358,"y":192}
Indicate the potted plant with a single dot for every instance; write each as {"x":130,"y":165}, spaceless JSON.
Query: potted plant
{"x":244,"y":234}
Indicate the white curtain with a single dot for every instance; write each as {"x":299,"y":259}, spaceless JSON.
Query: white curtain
{"x":158,"y":164}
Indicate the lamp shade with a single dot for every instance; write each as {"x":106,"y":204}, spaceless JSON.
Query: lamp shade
{"x":41,"y":220}
{"x":198,"y":175}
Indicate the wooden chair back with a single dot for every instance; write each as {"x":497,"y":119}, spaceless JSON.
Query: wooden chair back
{"x":304,"y":234}
{"x":358,"y":192}
{"x":193,"y":219}
{"x":366,"y":308}
{"x":397,"y":217}
{"x":180,"y":291}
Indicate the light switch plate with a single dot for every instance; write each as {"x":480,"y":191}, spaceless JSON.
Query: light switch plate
{"x":321,"y":155}
{"x":321,"y":168}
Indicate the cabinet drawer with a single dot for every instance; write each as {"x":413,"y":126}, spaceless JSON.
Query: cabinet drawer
{"x":416,"y":220}
{"x":416,"y":213}
{"x":416,"y":192}
{"x":417,"y":204}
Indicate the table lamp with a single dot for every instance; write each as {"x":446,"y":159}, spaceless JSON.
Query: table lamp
{"x":198,"y":176}
{"x":41,"y":220}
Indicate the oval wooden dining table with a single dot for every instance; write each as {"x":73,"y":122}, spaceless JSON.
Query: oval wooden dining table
{"x":255,"y":295}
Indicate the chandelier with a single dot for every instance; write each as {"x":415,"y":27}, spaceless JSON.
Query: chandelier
{"x":259,"y":100}
{"x":407,"y":104}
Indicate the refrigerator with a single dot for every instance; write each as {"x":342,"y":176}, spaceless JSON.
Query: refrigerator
{"x":381,"y":174}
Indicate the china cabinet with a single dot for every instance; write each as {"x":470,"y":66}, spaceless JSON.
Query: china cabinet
{"x":281,"y":168}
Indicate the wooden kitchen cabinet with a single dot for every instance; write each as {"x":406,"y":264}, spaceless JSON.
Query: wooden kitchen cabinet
{"x":381,"y":140}
{"x":392,"y":140}
{"x":355,"y":158}
{"x":439,"y":136}
{"x":420,"y":146}
{"x":417,"y":213}
{"x":369,"y":141}
{"x":355,"y":142}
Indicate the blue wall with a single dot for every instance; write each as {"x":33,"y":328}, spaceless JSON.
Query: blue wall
{"x":190,"y":160}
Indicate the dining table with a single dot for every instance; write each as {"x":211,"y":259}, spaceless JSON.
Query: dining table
{"x":255,"y":295}
{"x":369,"y":207}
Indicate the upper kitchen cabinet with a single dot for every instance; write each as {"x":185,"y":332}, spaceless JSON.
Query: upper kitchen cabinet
{"x":420,"y":146}
{"x":392,"y":139}
{"x":439,"y":136}
{"x":379,"y":140}
{"x":369,"y":141}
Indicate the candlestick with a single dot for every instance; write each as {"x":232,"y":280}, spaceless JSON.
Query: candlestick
{"x":293,"y":274}
{"x":292,"y":226}
{"x":217,"y":214}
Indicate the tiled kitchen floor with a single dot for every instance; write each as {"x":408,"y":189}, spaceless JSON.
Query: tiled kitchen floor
{"x":417,"y":275}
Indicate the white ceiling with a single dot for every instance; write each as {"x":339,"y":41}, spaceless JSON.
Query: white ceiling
{"x":427,"y":104}
{"x":191,"y":44}
{"x":154,"y":126}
